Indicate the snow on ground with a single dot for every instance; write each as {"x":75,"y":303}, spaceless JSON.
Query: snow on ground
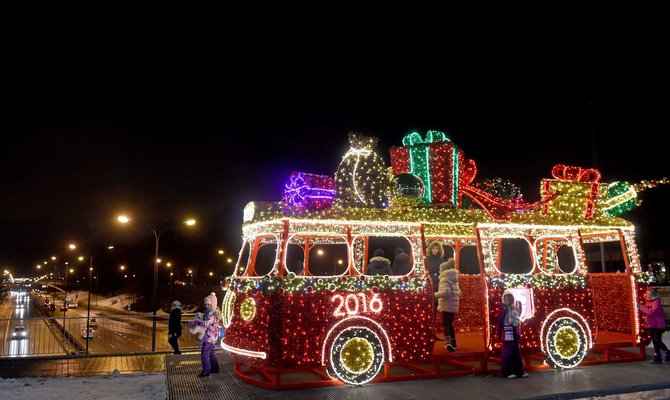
{"x":120,"y":303}
{"x":113,"y":386}
{"x":662,"y":394}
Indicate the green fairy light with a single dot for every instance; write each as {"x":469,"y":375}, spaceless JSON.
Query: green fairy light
{"x":617,"y":188}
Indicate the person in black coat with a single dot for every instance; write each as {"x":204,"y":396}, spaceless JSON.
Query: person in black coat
{"x":379,"y":265}
{"x":435,"y":257}
{"x":174,"y":326}
{"x":401,"y":263}
{"x":299,"y":267}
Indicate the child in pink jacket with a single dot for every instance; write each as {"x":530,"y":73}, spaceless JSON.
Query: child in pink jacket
{"x":210,"y":324}
{"x":656,"y":324}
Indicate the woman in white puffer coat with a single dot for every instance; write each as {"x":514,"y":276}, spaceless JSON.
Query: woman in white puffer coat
{"x":448,"y":297}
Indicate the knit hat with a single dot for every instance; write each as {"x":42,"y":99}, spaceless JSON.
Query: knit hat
{"x":398,"y":250}
{"x":176,"y":304}
{"x":211,"y":299}
{"x":447,"y":265}
{"x":508,"y":292}
{"x":379,"y":253}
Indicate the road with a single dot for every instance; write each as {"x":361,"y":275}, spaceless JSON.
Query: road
{"x":118,"y":334}
{"x":21,"y":310}
{"x":45,"y":334}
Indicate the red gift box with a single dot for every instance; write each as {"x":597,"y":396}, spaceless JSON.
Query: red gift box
{"x":439,"y":164}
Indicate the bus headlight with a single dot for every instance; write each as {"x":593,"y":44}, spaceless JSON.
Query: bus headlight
{"x":248,"y":309}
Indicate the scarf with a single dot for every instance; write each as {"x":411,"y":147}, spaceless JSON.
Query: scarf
{"x":512,"y":316}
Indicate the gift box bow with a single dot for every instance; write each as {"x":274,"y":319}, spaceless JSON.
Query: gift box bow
{"x":414,"y":138}
{"x":575,"y":174}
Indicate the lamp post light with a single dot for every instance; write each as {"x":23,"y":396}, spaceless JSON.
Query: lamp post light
{"x":157,"y":234}
{"x":168,"y":265}
{"x":170,"y":286}
{"x":71,"y":247}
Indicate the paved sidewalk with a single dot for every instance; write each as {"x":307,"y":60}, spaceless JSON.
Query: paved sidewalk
{"x":582,"y":382}
{"x":640,"y":379}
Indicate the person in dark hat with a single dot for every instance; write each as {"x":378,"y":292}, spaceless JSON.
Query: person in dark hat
{"x":401,"y":263}
{"x":511,"y":363}
{"x":379,"y":265}
{"x":174,"y":326}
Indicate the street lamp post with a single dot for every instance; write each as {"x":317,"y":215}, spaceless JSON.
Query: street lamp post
{"x":88,"y":305}
{"x":157,"y":234}
{"x":73,"y":246}
{"x":65,"y":299}
{"x":97,"y":288}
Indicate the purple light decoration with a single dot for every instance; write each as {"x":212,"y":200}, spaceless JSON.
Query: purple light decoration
{"x":304,"y":190}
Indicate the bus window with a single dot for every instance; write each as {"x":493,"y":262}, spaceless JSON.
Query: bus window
{"x":266,"y":256}
{"x":566,"y":259}
{"x":328,"y":258}
{"x":393,"y":248}
{"x":295,"y":258}
{"x":555,"y":255}
{"x":611,"y":255}
{"x":515,"y":256}
{"x":448,"y":251}
{"x":468,"y":262}
{"x":244,"y":260}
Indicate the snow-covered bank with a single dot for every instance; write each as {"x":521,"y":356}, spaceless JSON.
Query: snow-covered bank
{"x":131,"y":386}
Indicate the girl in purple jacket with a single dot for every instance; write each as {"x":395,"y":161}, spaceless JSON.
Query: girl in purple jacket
{"x":511,"y":364}
{"x":656,"y":324}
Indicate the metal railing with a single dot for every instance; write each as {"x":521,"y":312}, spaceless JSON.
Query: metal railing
{"x":109,"y":335}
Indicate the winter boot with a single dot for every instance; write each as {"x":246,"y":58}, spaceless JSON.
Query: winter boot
{"x":448,"y":344}
{"x":657,"y":359}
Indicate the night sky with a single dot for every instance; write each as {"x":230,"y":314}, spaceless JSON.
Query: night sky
{"x":71,"y":161}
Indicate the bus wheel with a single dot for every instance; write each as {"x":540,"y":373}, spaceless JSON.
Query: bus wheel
{"x":566,"y":343}
{"x":356,"y":355}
